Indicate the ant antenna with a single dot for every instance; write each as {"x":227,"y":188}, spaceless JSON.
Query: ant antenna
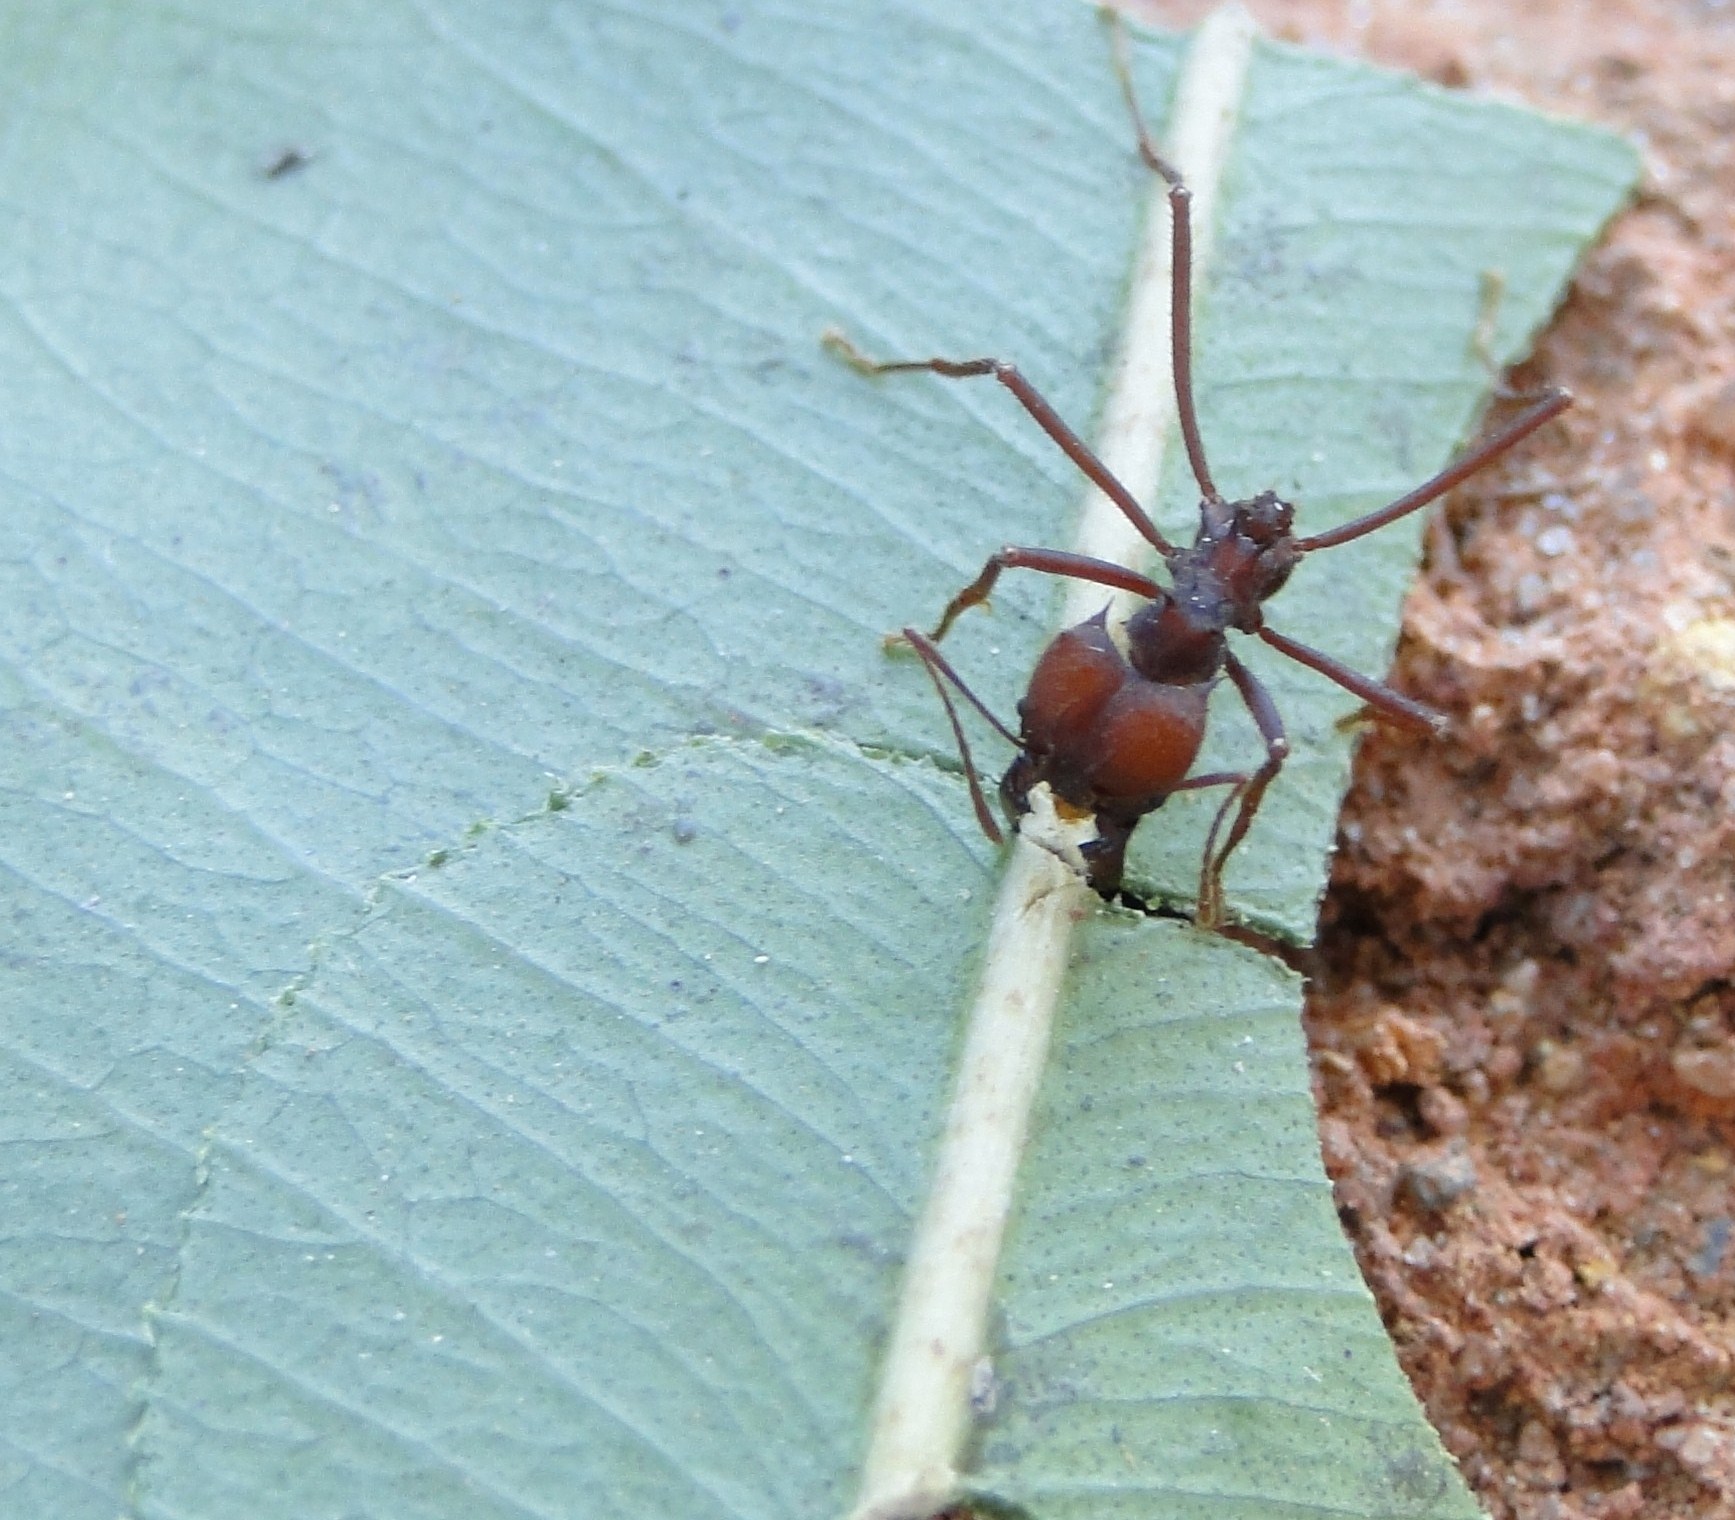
{"x":1180,"y":263}
{"x":1550,"y":405}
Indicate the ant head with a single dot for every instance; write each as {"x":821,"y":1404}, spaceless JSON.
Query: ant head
{"x":1264,"y":519}
{"x":1258,"y":522}
{"x":1249,"y":546}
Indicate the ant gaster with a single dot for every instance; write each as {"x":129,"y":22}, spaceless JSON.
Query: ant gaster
{"x":1114,"y":734}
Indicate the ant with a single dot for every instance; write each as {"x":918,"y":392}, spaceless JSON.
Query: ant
{"x":1114,"y":724}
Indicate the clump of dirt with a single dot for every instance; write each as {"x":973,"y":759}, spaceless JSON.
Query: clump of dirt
{"x":1524,"y":1020}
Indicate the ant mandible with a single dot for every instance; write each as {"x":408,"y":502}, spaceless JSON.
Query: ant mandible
{"x":1113,"y":725}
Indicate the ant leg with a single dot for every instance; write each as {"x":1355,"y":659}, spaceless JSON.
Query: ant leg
{"x":1549,"y":406}
{"x":1208,"y":914}
{"x":1079,"y":567}
{"x":1212,"y":778}
{"x":1248,"y":795}
{"x":1180,"y":263}
{"x":1105,"y":857}
{"x":937,"y":662}
{"x":937,"y":666}
{"x":1045,"y":416}
{"x":1392,"y":706}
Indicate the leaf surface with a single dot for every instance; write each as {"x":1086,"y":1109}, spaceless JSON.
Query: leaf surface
{"x":421,"y":1107}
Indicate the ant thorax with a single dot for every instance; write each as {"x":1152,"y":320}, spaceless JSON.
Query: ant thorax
{"x":1176,"y":638}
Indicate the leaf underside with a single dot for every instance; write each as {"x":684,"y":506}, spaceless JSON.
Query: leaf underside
{"x":486,"y":923}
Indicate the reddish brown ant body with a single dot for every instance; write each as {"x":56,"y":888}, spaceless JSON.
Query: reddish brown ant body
{"x":1113,"y":726}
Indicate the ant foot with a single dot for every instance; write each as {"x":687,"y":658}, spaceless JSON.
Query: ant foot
{"x":834,"y":340}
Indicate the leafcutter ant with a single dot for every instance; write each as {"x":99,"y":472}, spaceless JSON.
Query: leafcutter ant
{"x":1113,"y":719}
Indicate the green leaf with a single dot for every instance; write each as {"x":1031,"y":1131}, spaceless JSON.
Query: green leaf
{"x":486,"y":931}
{"x":575,"y":1178}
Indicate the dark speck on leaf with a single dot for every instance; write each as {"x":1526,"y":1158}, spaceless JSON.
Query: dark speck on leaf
{"x":828,"y":699}
{"x":284,"y":162}
{"x":1415,"y":1477}
{"x":684,"y":830}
